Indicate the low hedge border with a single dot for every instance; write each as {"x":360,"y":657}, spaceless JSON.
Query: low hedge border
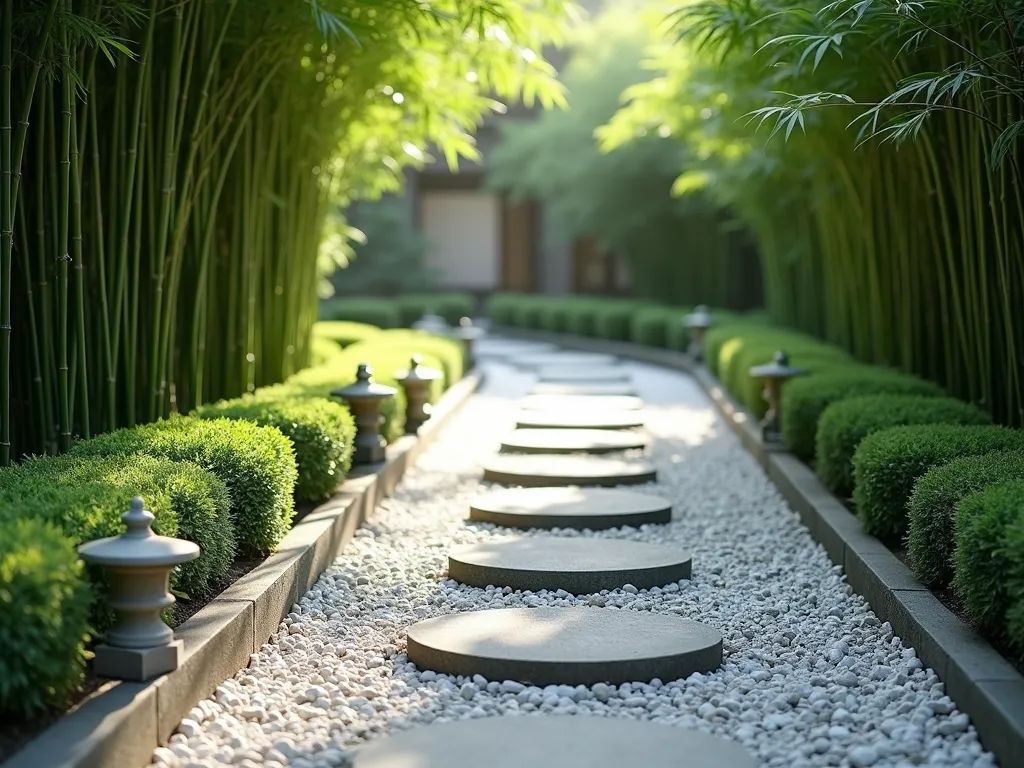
{"x":983,"y":683}
{"x":122,"y":723}
{"x":398,"y":311}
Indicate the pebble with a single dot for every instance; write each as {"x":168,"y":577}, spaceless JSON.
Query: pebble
{"x":811,"y":678}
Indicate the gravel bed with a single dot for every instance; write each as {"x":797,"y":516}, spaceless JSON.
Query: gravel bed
{"x":811,"y":676}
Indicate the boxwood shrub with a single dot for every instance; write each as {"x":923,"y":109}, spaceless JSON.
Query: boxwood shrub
{"x":845,"y":423}
{"x":452,"y":306}
{"x":554,"y":317}
{"x":344,"y":332}
{"x":45,"y":602}
{"x":256,"y":463}
{"x":382,"y":313}
{"x":804,"y":399}
{"x":500,"y":308}
{"x":989,"y":560}
{"x":321,"y":350}
{"x":656,"y":326}
{"x":321,"y":432}
{"x":931,"y":510}
{"x":85,"y":498}
{"x":887,"y":463}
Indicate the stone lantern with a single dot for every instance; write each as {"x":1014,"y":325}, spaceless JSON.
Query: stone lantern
{"x":468,"y":333}
{"x":698,"y":323}
{"x":416,"y":383}
{"x":364,"y":398}
{"x":774,"y":374}
{"x":140,"y":645}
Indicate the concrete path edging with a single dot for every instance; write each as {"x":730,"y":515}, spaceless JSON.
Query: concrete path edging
{"x":121,"y":724}
{"x":977,"y":677}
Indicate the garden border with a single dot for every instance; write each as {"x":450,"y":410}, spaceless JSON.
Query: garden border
{"x":121,"y":724}
{"x":983,"y":684}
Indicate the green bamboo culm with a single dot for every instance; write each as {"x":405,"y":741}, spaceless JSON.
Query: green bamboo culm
{"x":167,"y":169}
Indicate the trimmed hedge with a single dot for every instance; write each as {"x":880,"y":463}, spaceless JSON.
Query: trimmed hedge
{"x":888,"y":463}
{"x":344,"y":332}
{"x":845,"y":423}
{"x":321,"y":431}
{"x":382,"y":313}
{"x":931,"y":510}
{"x":452,"y":306}
{"x":44,"y":616}
{"x":989,"y":560}
{"x":805,"y":399}
{"x":256,"y":463}
{"x":321,"y":350}
{"x":660,"y":327}
{"x":85,"y":498}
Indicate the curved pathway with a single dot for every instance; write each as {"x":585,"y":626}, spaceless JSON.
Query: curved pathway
{"x":810,"y":678}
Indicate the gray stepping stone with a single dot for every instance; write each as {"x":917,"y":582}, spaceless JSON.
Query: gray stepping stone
{"x":572,"y":441}
{"x":580,"y":566}
{"x":579,"y":508}
{"x":563,"y":358}
{"x":552,"y":741}
{"x":572,"y":374}
{"x":511,"y":348}
{"x":545,"y":471}
{"x":595,"y":389}
{"x":565,"y":646}
{"x":577,"y":419}
{"x":580,"y":403}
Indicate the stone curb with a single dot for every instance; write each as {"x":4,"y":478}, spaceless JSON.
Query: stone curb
{"x":121,"y":724}
{"x":983,"y":684}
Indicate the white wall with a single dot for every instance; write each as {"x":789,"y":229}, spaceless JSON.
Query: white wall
{"x":464,"y":230}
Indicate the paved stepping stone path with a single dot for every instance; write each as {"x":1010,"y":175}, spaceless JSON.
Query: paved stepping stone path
{"x":572,"y":441}
{"x":577,"y":402}
{"x":572,"y":374}
{"x":580,"y":566}
{"x":532,"y":471}
{"x":500,"y":348}
{"x":580,"y":508}
{"x":565,"y":646}
{"x":596,"y":389}
{"x":536,"y":361}
{"x":580,"y":419}
{"x":552,"y":742}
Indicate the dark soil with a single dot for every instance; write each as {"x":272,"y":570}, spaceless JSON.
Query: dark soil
{"x":15,"y":734}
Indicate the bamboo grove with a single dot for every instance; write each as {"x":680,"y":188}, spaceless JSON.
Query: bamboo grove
{"x":167,"y":166}
{"x":873,"y":150}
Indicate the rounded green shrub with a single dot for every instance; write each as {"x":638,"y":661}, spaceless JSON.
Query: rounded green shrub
{"x":452,"y":306}
{"x":344,"y":332}
{"x":321,"y":350}
{"x":656,"y":326}
{"x":382,"y":313}
{"x":613,"y":319}
{"x":581,"y":316}
{"x":45,"y":602}
{"x":321,"y":431}
{"x":500,"y":308}
{"x":887,"y":463}
{"x":256,"y":463}
{"x":931,"y":510}
{"x":805,"y":399}
{"x":86,"y":497}
{"x":553,"y":317}
{"x":845,"y":423}
{"x":989,"y":560}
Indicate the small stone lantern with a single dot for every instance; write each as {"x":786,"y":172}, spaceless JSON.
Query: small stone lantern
{"x":365,"y":397}
{"x":468,"y":333}
{"x":431,"y":323}
{"x":416,"y":383}
{"x":774,"y":375}
{"x":140,"y":645}
{"x":698,"y":323}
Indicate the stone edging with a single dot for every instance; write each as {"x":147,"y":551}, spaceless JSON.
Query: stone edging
{"x":121,"y":724}
{"x":977,"y":677}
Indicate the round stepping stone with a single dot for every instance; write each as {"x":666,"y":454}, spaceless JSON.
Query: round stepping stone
{"x":546,"y":471}
{"x":596,"y":389}
{"x":564,"y":358}
{"x":574,"y":402}
{"x":511,"y":348}
{"x":572,"y":441}
{"x":580,"y":508}
{"x":577,"y":419}
{"x":580,"y":566}
{"x":565,"y":646}
{"x":572,"y":374}
{"x":551,"y":741}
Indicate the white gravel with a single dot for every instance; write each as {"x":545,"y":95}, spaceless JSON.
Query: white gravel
{"x":811,"y":676}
